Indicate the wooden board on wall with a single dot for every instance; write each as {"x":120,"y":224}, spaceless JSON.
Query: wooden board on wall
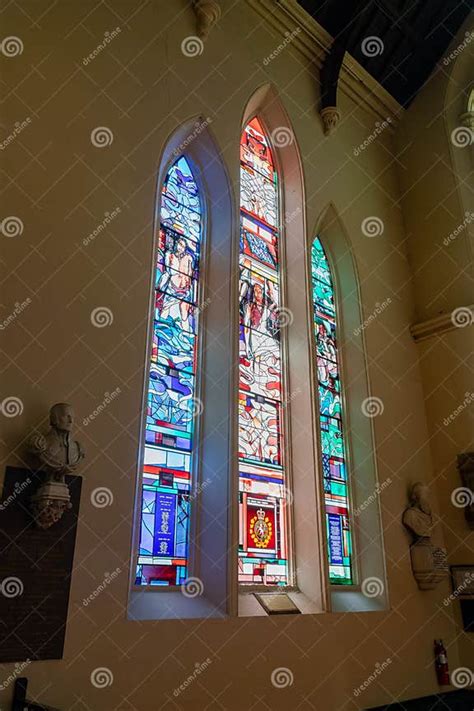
{"x":35,"y":571}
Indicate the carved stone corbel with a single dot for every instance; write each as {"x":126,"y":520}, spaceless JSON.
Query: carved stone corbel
{"x":208,"y":13}
{"x":330,"y":117}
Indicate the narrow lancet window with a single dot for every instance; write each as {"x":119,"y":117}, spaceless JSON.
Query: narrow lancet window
{"x":331,"y":420}
{"x":263,"y":481}
{"x":172,"y":406}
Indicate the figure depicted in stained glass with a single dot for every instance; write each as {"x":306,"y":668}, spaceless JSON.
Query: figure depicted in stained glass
{"x":170,"y":416}
{"x":263,"y":487}
{"x":333,"y":450}
{"x":174,"y":286}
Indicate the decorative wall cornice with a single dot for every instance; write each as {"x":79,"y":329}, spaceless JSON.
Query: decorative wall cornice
{"x":459,"y":318}
{"x":313,"y":41}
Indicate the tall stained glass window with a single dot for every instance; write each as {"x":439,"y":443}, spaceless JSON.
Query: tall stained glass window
{"x":171,"y":397}
{"x":333,"y":449}
{"x":263,"y":489}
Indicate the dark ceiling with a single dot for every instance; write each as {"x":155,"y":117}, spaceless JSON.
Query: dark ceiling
{"x":415,"y":35}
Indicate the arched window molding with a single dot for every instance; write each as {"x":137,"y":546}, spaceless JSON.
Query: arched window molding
{"x":205,"y":592}
{"x":368,"y":557}
{"x":310,"y":594}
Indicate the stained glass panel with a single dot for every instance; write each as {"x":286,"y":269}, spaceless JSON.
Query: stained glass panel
{"x":170,"y":415}
{"x":263,"y":489}
{"x":333,"y":450}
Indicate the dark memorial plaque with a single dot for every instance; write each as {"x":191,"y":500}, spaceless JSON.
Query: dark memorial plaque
{"x":35,"y":571}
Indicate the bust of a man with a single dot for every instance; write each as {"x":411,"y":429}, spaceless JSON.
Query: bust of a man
{"x":418,"y":517}
{"x":58,"y":453}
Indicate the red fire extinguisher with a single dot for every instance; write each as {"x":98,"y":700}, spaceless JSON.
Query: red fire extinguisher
{"x":441,"y":662}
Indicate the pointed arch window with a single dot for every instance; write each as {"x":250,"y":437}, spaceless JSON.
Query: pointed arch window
{"x":331,"y":420}
{"x":264,"y":548}
{"x":172,"y":405}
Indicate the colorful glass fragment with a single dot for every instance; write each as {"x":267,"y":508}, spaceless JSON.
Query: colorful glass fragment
{"x":171,"y":411}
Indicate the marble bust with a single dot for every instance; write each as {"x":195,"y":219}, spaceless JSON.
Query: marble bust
{"x":428,"y":562}
{"x":57,"y":452}
{"x":418,"y":517}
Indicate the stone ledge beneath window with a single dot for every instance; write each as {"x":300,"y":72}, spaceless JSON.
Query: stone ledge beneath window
{"x":171,"y":605}
{"x":249,"y":606}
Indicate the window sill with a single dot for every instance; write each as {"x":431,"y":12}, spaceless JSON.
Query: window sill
{"x":171,"y":605}
{"x":249,"y":606}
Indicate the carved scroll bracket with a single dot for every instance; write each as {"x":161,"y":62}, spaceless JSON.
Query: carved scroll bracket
{"x":208,"y":13}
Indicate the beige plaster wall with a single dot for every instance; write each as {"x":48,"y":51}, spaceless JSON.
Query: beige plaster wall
{"x":436,"y":178}
{"x":141,"y":87}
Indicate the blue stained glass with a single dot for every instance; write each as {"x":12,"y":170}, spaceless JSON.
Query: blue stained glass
{"x":171,"y":410}
{"x":333,"y":455}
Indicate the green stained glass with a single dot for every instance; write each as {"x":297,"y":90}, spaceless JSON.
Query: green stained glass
{"x":333,"y":449}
